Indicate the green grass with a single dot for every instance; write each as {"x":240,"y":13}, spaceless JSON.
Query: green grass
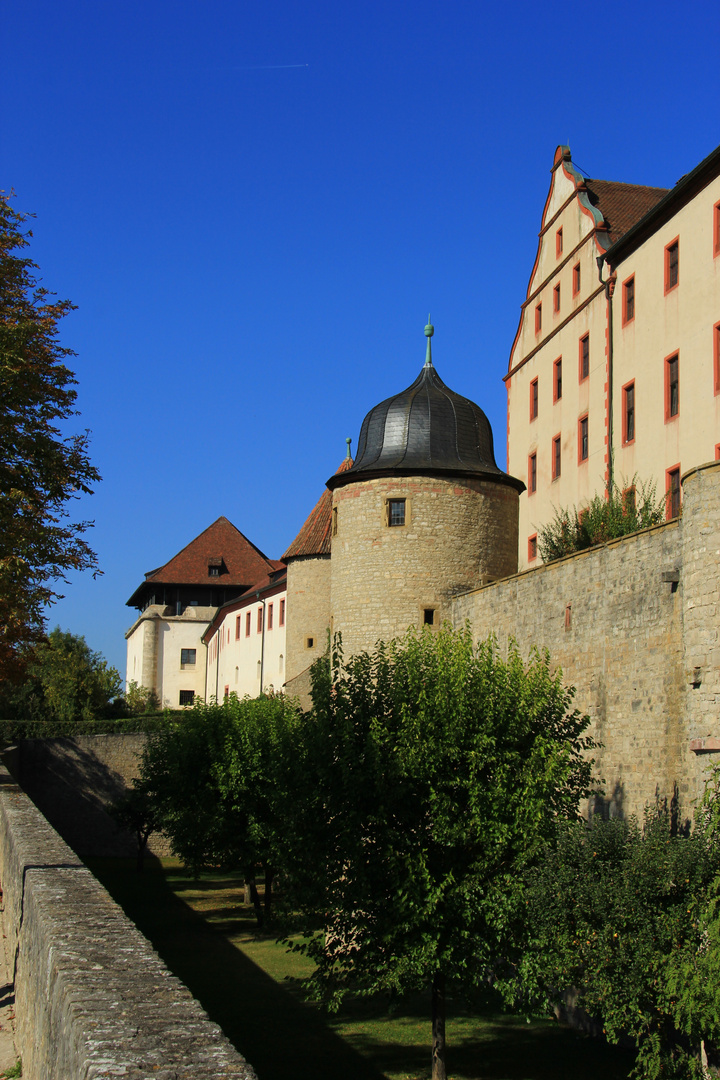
{"x":252,"y":987}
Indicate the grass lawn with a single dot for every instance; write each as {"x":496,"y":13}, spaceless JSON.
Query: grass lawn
{"x":251,"y":986}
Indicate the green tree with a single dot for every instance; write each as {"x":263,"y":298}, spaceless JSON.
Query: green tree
{"x":136,"y":813}
{"x":64,"y":681}
{"x":41,"y":470}
{"x":438,"y":770}
{"x":140,"y":699}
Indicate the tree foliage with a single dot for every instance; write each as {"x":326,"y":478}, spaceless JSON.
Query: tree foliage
{"x":65,"y":682}
{"x":617,"y":512}
{"x":41,"y":469}
{"x":438,"y":770}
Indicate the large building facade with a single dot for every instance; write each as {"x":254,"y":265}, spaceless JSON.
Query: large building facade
{"x":614,"y":369}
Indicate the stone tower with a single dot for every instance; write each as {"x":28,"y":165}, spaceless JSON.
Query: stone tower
{"x":423,"y":513}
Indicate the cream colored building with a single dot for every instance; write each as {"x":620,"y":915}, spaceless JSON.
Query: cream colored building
{"x":620,"y":322}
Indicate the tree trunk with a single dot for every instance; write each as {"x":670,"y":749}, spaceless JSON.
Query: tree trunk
{"x":438,"y":1027}
{"x":269,"y":876}
{"x":256,"y":903}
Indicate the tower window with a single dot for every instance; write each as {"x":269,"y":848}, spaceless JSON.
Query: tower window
{"x":428,"y":616}
{"x":396,"y":512}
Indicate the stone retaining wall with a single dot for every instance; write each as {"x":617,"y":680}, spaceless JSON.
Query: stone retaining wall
{"x":93,"y":999}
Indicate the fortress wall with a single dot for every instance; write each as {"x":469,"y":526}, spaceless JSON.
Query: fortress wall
{"x":92,"y":997}
{"x":72,"y":780}
{"x":615,"y":627}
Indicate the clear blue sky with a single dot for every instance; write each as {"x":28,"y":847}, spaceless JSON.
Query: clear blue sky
{"x":255,"y":205}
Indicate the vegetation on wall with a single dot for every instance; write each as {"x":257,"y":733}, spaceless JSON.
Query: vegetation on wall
{"x":618,"y":511}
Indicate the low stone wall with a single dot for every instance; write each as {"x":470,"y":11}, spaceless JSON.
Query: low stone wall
{"x":93,"y":999}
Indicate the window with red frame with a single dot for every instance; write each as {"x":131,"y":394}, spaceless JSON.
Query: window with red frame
{"x":717,"y":451}
{"x":716,"y":356}
{"x":532,"y":547}
{"x":270,"y":617}
{"x":583,"y":438}
{"x":259,"y":620}
{"x":556,"y":458}
{"x":538,"y":318}
{"x":672,"y":386}
{"x":557,"y":379}
{"x":628,"y":417}
{"x":238,"y":624}
{"x":558,"y":243}
{"x":532,"y":473}
{"x":576,"y":279}
{"x":247,"y":624}
{"x":672,"y":265}
{"x":628,"y":297}
{"x":672,"y":488}
{"x":533,"y":399}
{"x":227,"y":691}
{"x":584,"y":357}
{"x":282,"y":612}
{"x":716,"y":229}
{"x":556,"y":298}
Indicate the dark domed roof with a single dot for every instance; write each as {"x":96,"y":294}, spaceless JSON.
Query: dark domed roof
{"x":426,"y":428}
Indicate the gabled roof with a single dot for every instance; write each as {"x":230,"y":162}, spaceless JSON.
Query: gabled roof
{"x":221,"y":544}
{"x":622,"y":205}
{"x":315,"y":535}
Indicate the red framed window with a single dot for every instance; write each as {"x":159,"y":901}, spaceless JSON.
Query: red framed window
{"x":238,"y":624}
{"x":628,"y":413}
{"x":538,"y":318}
{"x":533,"y":399}
{"x":270,"y":617}
{"x":576,"y":279}
{"x":672,"y":265}
{"x":532,"y":547}
{"x":583,"y":452}
{"x":556,"y":457}
{"x":556,"y":299}
{"x":259,"y":620}
{"x":282,"y":613}
{"x":558,"y":243}
{"x":716,"y":229}
{"x":247,"y":624}
{"x":717,"y":451}
{"x":672,"y":492}
{"x":716,"y":356}
{"x":227,"y":691}
{"x":557,"y":379}
{"x":672,"y":386}
{"x":532,"y":473}
{"x":628,"y":300}
{"x":584,"y":358}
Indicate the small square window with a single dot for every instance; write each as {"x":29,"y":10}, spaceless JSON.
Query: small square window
{"x":533,"y":399}
{"x":558,"y":243}
{"x":282,"y":613}
{"x":532,"y":547}
{"x":556,"y":299}
{"x":672,"y":492}
{"x":584,"y":357}
{"x":186,"y":697}
{"x":428,"y":616}
{"x":557,"y":379}
{"x":583,"y":439}
{"x":309,"y":643}
{"x":188,"y":657}
{"x":628,"y":433}
{"x":672,"y":386}
{"x":556,"y":457}
{"x":628,"y":308}
{"x":538,"y":318}
{"x":395,"y":512}
{"x":672,"y":265}
{"x":576,"y":279}
{"x":532,"y":473}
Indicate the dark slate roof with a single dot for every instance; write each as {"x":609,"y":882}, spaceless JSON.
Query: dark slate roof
{"x":220,"y":544}
{"x":314,"y":537}
{"x":622,"y":205}
{"x":426,"y":428}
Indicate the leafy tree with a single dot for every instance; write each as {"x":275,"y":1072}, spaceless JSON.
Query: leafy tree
{"x":64,"y":681}
{"x":136,"y":813}
{"x":40,"y":469}
{"x":616,"y":912}
{"x":438,"y":770}
{"x":617,"y":512}
{"x":140,"y":699}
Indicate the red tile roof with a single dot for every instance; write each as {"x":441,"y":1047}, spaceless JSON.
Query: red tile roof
{"x":622,"y":205}
{"x":315,"y":536}
{"x":243,"y":563}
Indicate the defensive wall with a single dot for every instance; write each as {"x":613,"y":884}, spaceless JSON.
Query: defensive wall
{"x":93,"y":1000}
{"x":634,"y":626}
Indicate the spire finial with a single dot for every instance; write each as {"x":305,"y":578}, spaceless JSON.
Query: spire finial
{"x":348,"y":441}
{"x":429,"y":331}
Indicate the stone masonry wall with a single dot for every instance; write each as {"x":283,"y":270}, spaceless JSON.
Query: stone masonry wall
{"x":308,"y":616}
{"x":72,"y":781}
{"x":92,"y":998}
{"x":458,"y":534}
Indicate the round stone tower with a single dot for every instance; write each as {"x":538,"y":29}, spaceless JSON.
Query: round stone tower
{"x":423,"y":513}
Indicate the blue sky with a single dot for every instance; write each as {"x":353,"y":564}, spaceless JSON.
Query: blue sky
{"x":255,"y":206}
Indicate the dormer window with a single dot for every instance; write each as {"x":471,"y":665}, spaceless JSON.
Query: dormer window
{"x":215,"y":567}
